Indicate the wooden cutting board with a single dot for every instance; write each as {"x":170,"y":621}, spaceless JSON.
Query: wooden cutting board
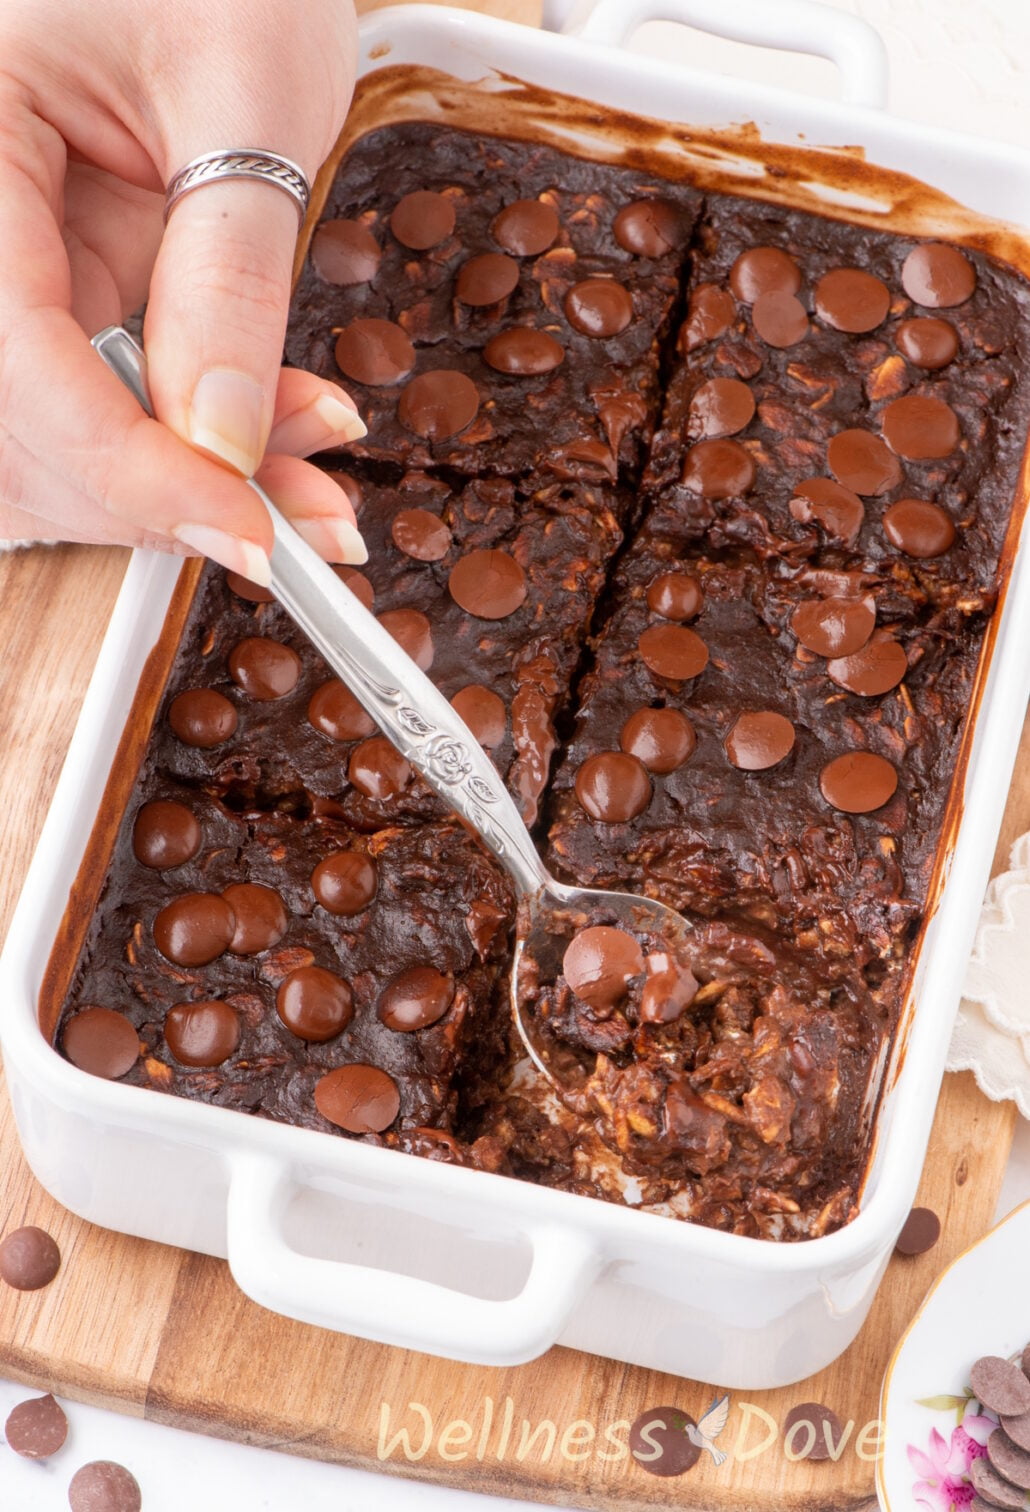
{"x":164,"y":1334}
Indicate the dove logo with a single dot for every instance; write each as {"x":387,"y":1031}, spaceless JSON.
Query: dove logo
{"x":705,"y":1433}
{"x":667,"y":1441}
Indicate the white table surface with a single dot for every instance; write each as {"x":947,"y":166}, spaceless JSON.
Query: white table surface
{"x":952,"y":63}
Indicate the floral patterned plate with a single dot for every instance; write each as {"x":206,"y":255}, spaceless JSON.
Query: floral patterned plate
{"x":935,"y":1427}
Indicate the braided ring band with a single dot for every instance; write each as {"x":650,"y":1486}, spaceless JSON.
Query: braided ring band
{"x":213,"y":167}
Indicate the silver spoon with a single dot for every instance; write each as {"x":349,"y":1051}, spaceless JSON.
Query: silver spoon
{"x":428,"y":732}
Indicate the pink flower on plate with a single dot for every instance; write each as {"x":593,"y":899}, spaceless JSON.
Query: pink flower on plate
{"x":943,"y":1470}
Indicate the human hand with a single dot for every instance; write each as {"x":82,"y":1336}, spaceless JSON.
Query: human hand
{"x":97,"y":111}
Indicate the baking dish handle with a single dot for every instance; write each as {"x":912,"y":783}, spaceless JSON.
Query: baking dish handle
{"x":387,"y":1306}
{"x":794,"y":25}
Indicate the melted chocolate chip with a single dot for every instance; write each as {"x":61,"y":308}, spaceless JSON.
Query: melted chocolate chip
{"x":710,"y":313}
{"x":351,"y":487}
{"x":201,"y":717}
{"x":759,"y":740}
{"x":764,"y":270}
{"x":29,"y":1258}
{"x":525,"y":228}
{"x":812,"y":1432}
{"x":415,"y":998}
{"x":438,"y":404}
{"x":650,"y":227}
{"x":483,"y":712}
{"x":721,"y":407}
{"x":718,"y":469}
{"x":879,"y":666}
{"x":780,"y":318}
{"x":862,"y":462}
{"x":314,"y":1004}
{"x":194,"y":929}
{"x":675,"y":596}
{"x":599,"y":307}
{"x":919,"y":527}
{"x":837,"y":509}
{"x":261,"y":917}
{"x":523,"y":352}
{"x":336,"y":712}
{"x":374,"y":352}
{"x":672,"y":651}
{"x":103,"y":1486}
{"x":254,"y":593}
{"x":413,"y":633}
{"x":662,"y":739}
{"x":850,"y":300}
{"x":377,"y":769}
{"x":36,"y":1429}
{"x":264,"y":669}
{"x":421,"y":535}
{"x":613,"y":787}
{"x":927,"y":342}
{"x":345,"y":252}
{"x":834,"y":626}
{"x":919,"y":427}
{"x":670,"y":989}
{"x":101,"y":1041}
{"x":858,"y":782}
{"x":920,"y":1232}
{"x":165,"y":834}
{"x":486,"y":279}
{"x":422,"y":219}
{"x":345,"y":883}
{"x":359,"y":1098}
{"x":202,"y":1033}
{"x":358,"y":584}
{"x":937,"y":276}
{"x":600,"y":963}
{"x":489,"y":584}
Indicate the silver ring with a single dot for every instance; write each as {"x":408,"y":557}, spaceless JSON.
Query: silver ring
{"x":255,"y":163}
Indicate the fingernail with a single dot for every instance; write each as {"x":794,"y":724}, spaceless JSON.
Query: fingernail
{"x":239,"y":556}
{"x":335,"y":540}
{"x":226,"y":418}
{"x":326,"y":420}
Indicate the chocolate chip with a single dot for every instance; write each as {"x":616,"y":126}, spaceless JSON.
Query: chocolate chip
{"x":879,"y":666}
{"x":659,"y":1443}
{"x":489,"y":584}
{"x":710,"y":313}
{"x":858,"y":782}
{"x":413,"y":633}
{"x":165,"y":834}
{"x":927,"y":342}
{"x":345,"y":882}
{"x":261,"y":917}
{"x":937,"y":276}
{"x":759,"y":740}
{"x":36,"y":1428}
{"x":811,"y":1432}
{"x":314,"y":1003}
{"x":523,"y":352}
{"x":919,"y":527}
{"x":600,"y":963}
{"x":719,"y":469}
{"x":103,"y":1486}
{"x":101,"y":1041}
{"x":194,"y":929}
{"x":345,"y":252}
{"x":264,"y":669}
{"x":377,"y":769}
{"x":483,"y":712}
{"x":336,"y":712}
{"x":415,"y":998}
{"x":613,"y":787}
{"x":201,"y":717}
{"x":834,"y":626}
{"x":486,"y":279}
{"x":422,"y":219}
{"x":670,"y":989}
{"x":672,"y":651}
{"x":851,"y":300}
{"x":764,"y":270}
{"x":1018,"y":1429}
{"x":650,"y":227}
{"x":421,"y":535}
{"x":359,"y":1098}
{"x":837,"y":509}
{"x":1008,"y":1459}
{"x":780,"y":318}
{"x":993,"y":1487}
{"x":721,"y":407}
{"x":374,"y":352}
{"x":919,"y":1233}
{"x":919,"y":427}
{"x":675,"y":596}
{"x":662,"y":739}
{"x":599,"y":307}
{"x":1000,"y":1385}
{"x":863,"y":462}
{"x":525,"y":228}
{"x":29,"y":1257}
{"x":203,"y":1033}
{"x":254,"y":593}
{"x":351,"y":487}
{"x":357,"y":583}
{"x":438,"y":404}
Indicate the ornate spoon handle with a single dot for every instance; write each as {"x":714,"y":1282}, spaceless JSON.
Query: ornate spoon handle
{"x":408,"y":708}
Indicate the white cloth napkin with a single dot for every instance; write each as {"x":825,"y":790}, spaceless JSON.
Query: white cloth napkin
{"x":992,"y":1031}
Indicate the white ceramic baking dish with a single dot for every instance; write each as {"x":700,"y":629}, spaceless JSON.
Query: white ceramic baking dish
{"x":462,"y":1263}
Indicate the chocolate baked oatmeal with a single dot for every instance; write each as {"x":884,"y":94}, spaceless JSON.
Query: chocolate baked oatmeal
{"x":694,"y":507}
